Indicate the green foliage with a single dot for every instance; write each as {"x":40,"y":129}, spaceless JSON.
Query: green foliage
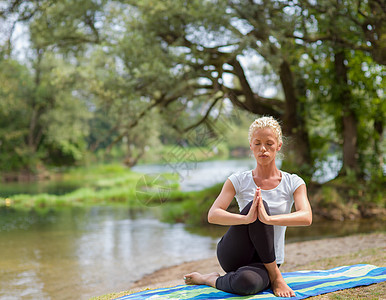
{"x":41,"y":120}
{"x":15,"y":88}
{"x":101,"y":185}
{"x":68,"y":24}
{"x":190,"y":207}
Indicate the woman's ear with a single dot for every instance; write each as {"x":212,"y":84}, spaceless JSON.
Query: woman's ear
{"x":279,"y":147}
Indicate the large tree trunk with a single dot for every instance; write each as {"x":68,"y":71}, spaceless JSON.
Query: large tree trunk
{"x":348,"y":119}
{"x":298,"y":153}
{"x":378,"y":128}
{"x":350,"y":154}
{"x":35,"y":132}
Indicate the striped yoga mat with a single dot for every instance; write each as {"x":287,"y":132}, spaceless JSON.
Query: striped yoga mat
{"x":304,"y":283}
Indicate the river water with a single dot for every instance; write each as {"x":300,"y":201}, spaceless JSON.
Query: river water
{"x":77,"y":253}
{"x":82,"y":252}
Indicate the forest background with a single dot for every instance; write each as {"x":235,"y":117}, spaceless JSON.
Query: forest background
{"x":85,"y":82}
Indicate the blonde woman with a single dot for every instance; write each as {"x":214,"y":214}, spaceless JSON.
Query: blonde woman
{"x":252,"y":250}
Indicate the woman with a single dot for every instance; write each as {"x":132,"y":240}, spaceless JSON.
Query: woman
{"x":253,"y":248}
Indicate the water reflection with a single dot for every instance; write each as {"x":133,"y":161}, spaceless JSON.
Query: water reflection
{"x":79,"y":253}
{"x":53,"y":187}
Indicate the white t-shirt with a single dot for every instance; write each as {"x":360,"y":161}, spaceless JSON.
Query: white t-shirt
{"x":279,"y":200}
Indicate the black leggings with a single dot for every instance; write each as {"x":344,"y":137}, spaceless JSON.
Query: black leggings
{"x":242,"y":252}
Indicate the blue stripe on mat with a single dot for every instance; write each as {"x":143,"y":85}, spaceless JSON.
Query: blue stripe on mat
{"x":304,"y":283}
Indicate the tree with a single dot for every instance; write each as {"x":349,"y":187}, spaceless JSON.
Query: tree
{"x":343,"y":35}
{"x":205,"y":45}
{"x":212,"y":37}
{"x":15,"y":85}
{"x":41,"y":119}
{"x":50,"y":116}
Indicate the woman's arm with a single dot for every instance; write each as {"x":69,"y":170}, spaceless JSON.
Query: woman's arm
{"x":301,"y":217}
{"x":218,"y":213}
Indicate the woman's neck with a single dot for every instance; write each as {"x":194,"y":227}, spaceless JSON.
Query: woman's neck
{"x":266,"y":171}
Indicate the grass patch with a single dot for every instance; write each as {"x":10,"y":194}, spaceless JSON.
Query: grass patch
{"x":101,"y":185}
{"x":190,"y":207}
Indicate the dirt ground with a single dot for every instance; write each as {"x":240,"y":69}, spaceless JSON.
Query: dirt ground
{"x":296,"y":256}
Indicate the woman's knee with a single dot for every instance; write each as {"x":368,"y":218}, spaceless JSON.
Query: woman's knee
{"x":248,"y":282}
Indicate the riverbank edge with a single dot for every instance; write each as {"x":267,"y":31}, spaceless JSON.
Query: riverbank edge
{"x":309,"y":255}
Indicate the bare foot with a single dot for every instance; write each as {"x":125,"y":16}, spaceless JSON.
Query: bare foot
{"x":279,"y":286}
{"x":281,"y":289}
{"x":198,"y":278}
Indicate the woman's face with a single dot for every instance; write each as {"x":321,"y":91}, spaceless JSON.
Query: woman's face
{"x":264,"y":145}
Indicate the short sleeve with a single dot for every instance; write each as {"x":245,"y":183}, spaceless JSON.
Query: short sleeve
{"x":296,"y":181}
{"x":236,"y":182}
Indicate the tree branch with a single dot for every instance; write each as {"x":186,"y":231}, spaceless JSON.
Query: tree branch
{"x":133,"y":124}
{"x":202,"y":120}
{"x":261,"y":106}
{"x":339,"y":40}
{"x":239,"y":71}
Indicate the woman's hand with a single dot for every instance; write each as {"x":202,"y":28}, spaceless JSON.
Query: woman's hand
{"x":252,"y":214}
{"x":261,"y":212}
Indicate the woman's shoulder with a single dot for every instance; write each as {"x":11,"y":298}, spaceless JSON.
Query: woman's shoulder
{"x":293,"y":180}
{"x":241,"y":174}
{"x":240,"y":178}
{"x":289,"y":175}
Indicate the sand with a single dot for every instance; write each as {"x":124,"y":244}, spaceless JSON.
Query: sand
{"x":296,"y":256}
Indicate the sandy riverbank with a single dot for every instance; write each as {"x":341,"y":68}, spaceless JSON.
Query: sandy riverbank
{"x":298,"y":255}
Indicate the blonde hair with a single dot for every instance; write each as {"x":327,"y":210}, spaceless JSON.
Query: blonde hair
{"x":266,"y":122}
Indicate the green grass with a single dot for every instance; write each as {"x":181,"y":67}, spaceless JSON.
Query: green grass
{"x":189,"y":207}
{"x":101,"y":185}
{"x":115,"y":184}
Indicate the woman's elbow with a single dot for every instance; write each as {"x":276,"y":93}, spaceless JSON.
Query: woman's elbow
{"x":308,"y":220}
{"x":213,"y":216}
{"x":210,"y":217}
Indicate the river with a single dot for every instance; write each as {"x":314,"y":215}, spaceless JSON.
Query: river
{"x":82,"y":252}
{"x":77,"y":253}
